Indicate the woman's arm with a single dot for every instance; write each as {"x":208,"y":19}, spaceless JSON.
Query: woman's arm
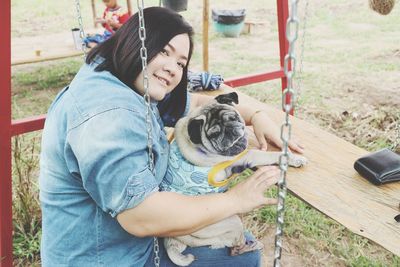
{"x":197,"y":100}
{"x":172,"y":214}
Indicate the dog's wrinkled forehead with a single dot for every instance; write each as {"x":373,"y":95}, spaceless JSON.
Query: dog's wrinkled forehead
{"x":213,"y":110}
{"x":224,"y":101}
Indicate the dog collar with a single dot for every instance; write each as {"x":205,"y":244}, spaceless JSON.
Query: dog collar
{"x":221,"y":166}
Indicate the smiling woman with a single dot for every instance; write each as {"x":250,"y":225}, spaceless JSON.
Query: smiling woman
{"x":121,"y":56}
{"x":101,"y":203}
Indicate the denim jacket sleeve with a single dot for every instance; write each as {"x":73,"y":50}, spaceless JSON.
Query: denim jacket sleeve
{"x":112,"y":159}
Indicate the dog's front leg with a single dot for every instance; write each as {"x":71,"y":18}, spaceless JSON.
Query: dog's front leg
{"x":255,"y":158}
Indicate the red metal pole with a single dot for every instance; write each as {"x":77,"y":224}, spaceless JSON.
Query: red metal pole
{"x":5,"y":138}
{"x":27,"y":125}
{"x":254,"y":78}
{"x":283,"y":14}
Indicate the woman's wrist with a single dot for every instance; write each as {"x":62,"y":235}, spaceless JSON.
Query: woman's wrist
{"x":233,"y":201}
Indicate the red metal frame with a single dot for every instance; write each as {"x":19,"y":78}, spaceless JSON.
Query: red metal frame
{"x":27,"y":125}
{"x":5,"y":138}
{"x":10,"y":128}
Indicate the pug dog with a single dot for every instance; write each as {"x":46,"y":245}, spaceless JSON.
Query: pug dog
{"x":205,"y":138}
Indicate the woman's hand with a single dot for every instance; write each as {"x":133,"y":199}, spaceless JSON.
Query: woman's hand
{"x":265,"y":129}
{"x":156,"y":215}
{"x":249,"y":194}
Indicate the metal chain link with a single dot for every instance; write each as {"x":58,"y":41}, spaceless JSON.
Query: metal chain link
{"x":82,"y":34}
{"x":292,"y":27}
{"x":149,"y":126}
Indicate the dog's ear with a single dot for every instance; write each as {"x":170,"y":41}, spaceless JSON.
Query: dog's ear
{"x":228,"y":98}
{"x":194,"y":130}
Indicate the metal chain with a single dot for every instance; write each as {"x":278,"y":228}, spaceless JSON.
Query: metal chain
{"x":82,"y":34}
{"x":300,"y":78}
{"x":143,"y":55}
{"x":149,"y":126}
{"x":292,"y":27}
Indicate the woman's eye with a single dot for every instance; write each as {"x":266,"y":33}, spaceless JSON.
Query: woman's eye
{"x":181,"y":65}
{"x":164,"y":52}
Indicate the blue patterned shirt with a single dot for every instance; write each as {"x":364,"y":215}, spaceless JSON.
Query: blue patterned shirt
{"x":184,"y":177}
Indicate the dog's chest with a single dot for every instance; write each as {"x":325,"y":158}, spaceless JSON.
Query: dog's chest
{"x":186,"y":178}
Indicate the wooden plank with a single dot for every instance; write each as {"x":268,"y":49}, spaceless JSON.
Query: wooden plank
{"x":129,"y":7}
{"x":30,"y":49}
{"x":36,"y":59}
{"x":331,"y":185}
{"x":94,"y":13}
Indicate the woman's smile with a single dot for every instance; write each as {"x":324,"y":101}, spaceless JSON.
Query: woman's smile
{"x":162,"y":80}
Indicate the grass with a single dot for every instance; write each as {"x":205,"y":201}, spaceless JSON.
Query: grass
{"x":341,"y":55}
{"x":26,"y":208}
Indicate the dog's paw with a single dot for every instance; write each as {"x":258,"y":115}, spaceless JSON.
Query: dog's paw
{"x":297,"y":160}
{"x":183,"y":260}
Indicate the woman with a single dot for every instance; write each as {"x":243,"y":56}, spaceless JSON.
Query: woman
{"x":100,"y":202}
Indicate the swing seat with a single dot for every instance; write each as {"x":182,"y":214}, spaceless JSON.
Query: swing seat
{"x":330,"y":184}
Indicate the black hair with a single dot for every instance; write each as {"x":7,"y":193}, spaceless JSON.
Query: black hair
{"x":121,"y":53}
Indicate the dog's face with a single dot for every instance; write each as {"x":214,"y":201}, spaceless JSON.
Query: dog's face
{"x":218,"y":128}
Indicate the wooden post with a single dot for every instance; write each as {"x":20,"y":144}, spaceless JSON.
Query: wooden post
{"x":6,"y":241}
{"x":205,"y":34}
{"x":129,"y":6}
{"x":94,"y":13}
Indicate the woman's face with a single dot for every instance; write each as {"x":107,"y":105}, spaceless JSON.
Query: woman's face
{"x":165,"y":70}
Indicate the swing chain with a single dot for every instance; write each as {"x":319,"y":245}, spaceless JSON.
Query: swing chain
{"x":143,"y":56}
{"x":80,"y":21}
{"x":288,"y":97}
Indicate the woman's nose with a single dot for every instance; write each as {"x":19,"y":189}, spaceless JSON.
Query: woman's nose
{"x":171,"y":67}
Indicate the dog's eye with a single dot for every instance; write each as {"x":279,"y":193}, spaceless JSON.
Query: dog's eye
{"x":214,"y":131}
{"x":232,"y":116}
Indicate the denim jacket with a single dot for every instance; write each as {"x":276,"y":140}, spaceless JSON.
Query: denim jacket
{"x":94,"y":165}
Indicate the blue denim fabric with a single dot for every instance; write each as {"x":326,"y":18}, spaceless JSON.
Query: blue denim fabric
{"x":207,"y":257}
{"x":97,"y":38}
{"x":94,"y":165}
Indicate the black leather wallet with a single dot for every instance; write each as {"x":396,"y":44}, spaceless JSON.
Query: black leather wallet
{"x":379,"y":167}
